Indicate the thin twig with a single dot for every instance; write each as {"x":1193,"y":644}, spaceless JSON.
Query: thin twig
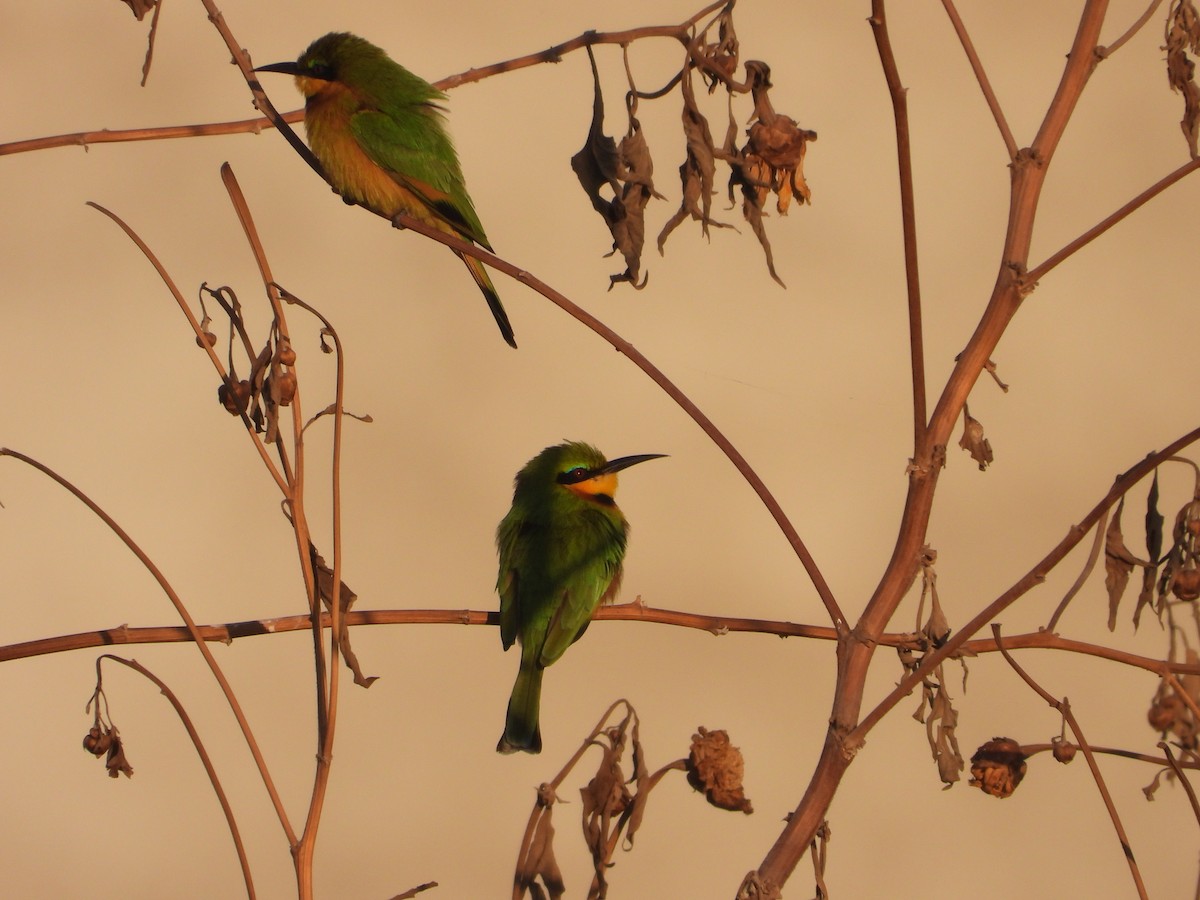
{"x":1010,"y":143}
{"x":204,"y":759}
{"x":1106,"y":52}
{"x":256,"y":125}
{"x":1064,"y":707}
{"x":624,"y":612}
{"x":1088,"y":566}
{"x":1038,"y":271}
{"x":908,"y":215}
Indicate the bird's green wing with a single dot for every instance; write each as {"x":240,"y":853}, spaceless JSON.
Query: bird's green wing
{"x":590,"y":574}
{"x":512,"y":535}
{"x":416,"y":151}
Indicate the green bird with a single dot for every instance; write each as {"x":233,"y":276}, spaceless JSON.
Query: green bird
{"x":560,"y":547}
{"x":378,"y":132}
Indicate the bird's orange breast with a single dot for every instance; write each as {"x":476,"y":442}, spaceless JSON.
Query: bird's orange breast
{"x":356,"y":176}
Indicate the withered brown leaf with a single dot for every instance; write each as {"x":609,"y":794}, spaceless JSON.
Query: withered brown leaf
{"x":698,"y":171}
{"x":626,"y":171}
{"x":1183,"y":34}
{"x":771,"y":161}
{"x":974,"y":442}
{"x":346,"y":599}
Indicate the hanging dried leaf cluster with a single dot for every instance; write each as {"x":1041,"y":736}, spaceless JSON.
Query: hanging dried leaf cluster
{"x":1175,"y":574}
{"x":618,"y":178}
{"x":103,"y":738}
{"x":936,"y":709}
{"x":613,"y":803}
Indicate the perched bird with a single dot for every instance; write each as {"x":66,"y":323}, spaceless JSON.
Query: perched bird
{"x":378,"y":132}
{"x":560,"y":548}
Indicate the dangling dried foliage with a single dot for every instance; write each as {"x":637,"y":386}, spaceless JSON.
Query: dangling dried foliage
{"x":537,"y":870}
{"x":346,"y":599}
{"x":627,"y":171}
{"x":1118,"y":566}
{"x":771,"y":161}
{"x":1183,"y":34}
{"x":974,"y":442}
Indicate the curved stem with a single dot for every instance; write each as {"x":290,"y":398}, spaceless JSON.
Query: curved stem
{"x":204,"y":759}
{"x":658,"y":377}
{"x":158,"y":576}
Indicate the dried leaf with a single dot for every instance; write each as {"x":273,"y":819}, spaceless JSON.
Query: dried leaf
{"x":629,"y":228}
{"x":1154,"y":523}
{"x":940,"y":731}
{"x":771,"y":161}
{"x":599,"y":164}
{"x":116,"y":763}
{"x":1145,"y":597}
{"x":1183,"y":34}
{"x":346,"y":600}
{"x":605,"y":798}
{"x":1152,"y":788}
{"x":974,"y":442}
{"x":539,"y":861}
{"x":1118,"y":564}
{"x":140,"y":7}
{"x":698,"y":171}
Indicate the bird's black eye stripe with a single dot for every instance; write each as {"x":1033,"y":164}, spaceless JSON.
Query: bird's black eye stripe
{"x":575,"y":475}
{"x":318,"y":69}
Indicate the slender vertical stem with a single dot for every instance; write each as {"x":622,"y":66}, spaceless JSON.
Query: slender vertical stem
{"x":908,"y":215}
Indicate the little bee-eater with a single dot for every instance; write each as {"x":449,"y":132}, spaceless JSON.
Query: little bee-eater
{"x":378,"y":132}
{"x":560,"y":548}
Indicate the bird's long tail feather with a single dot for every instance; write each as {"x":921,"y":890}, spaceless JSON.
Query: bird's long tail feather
{"x":479,"y":273}
{"x":521,"y":730}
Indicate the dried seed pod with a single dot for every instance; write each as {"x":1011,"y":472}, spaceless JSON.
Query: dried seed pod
{"x":97,"y":741}
{"x":715,"y":767}
{"x":287,"y":354}
{"x":1064,"y":751}
{"x":234,"y":397}
{"x":1186,"y":584}
{"x":206,"y":337}
{"x":1166,"y":711}
{"x":998,"y":767}
{"x":285,"y":384}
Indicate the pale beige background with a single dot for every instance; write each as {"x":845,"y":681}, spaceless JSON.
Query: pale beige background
{"x":102,"y":381}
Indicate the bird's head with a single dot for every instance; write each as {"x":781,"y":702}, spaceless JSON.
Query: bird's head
{"x":579,"y":468}
{"x":326,"y":61}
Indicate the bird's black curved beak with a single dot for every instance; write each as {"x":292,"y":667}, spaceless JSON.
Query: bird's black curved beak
{"x":625,"y":462}
{"x":285,"y":68}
